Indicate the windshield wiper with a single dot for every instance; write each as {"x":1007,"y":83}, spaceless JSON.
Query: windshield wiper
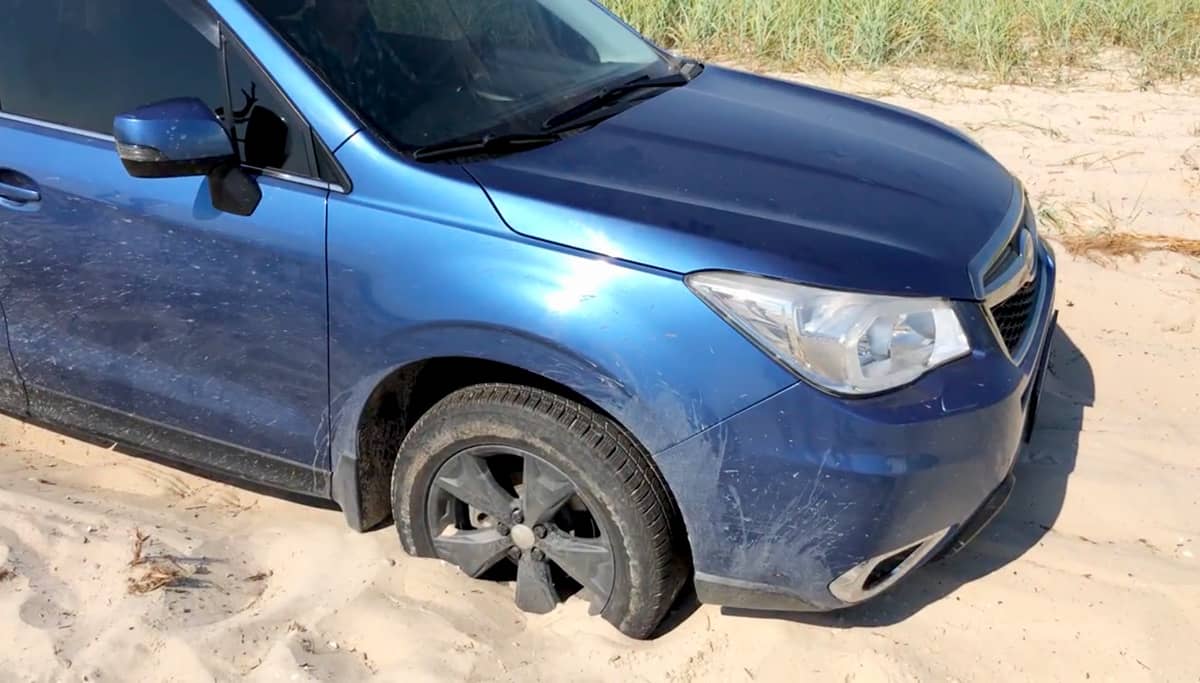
{"x":484,"y":144}
{"x":614,"y":94}
{"x":554,"y":128}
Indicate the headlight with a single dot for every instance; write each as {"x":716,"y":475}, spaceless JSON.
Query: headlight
{"x":844,"y":342}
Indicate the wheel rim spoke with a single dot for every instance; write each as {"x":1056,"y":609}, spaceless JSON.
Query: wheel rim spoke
{"x":474,"y":551}
{"x":545,"y":491}
{"x":468,"y":479}
{"x":535,"y":587}
{"x":587,"y":560}
{"x":525,"y":528}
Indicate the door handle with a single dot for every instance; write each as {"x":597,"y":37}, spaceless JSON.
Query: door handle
{"x":19,"y":195}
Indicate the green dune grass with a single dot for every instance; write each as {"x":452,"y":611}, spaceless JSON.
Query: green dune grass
{"x":1002,"y":37}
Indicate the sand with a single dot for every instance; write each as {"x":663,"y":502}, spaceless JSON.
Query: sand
{"x":1090,"y":572}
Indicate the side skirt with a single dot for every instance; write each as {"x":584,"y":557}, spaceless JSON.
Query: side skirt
{"x":153,"y":441}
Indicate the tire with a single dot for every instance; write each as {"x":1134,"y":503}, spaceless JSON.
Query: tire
{"x":441,"y":494}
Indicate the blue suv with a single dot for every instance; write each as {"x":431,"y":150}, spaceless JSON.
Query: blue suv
{"x":574,"y":312}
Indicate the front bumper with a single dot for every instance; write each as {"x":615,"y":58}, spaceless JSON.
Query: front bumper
{"x":785,"y":500}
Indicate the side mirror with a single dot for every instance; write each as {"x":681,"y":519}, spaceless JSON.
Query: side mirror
{"x":172,"y":139}
{"x":182,"y":137}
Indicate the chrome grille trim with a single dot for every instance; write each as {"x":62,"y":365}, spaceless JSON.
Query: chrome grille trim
{"x":1018,"y":273}
{"x":1008,"y":267}
{"x":994,"y":251}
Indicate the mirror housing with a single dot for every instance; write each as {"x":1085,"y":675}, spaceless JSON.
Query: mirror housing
{"x":182,"y":137}
{"x":172,"y":139}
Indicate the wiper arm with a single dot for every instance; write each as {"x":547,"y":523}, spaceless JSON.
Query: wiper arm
{"x":554,"y":128}
{"x":611,"y":95}
{"x":483,"y":144}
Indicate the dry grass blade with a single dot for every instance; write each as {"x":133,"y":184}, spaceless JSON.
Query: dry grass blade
{"x":160,"y":574}
{"x":139,"y":547}
{"x":1013,"y":124}
{"x":1110,"y":245}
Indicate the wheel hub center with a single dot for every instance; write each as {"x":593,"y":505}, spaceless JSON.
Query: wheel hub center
{"x":523,"y":537}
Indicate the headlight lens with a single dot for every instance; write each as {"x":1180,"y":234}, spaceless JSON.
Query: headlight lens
{"x":842,"y":341}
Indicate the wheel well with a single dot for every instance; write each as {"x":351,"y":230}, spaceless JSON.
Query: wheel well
{"x":403,"y":397}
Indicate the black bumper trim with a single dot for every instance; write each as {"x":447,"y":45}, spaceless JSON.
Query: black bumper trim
{"x":748,"y":595}
{"x":982,"y":517}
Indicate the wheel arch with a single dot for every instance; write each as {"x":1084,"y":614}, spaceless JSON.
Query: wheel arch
{"x":370,"y":423}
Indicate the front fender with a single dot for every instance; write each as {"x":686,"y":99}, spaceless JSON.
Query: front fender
{"x":421,"y":267}
{"x":641,"y":346}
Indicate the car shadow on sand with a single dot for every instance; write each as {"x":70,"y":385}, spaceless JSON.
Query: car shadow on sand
{"x":1042,"y":470}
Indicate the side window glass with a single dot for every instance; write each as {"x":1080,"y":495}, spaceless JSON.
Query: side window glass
{"x":270,"y":133}
{"x":79,"y":63}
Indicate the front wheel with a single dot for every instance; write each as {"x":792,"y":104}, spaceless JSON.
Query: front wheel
{"x":516,"y":483}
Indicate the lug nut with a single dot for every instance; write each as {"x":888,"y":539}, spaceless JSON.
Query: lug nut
{"x":518,"y":517}
{"x":537,"y":555}
{"x":539,"y":531}
{"x":514,"y":553}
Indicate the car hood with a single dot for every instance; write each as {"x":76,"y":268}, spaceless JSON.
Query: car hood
{"x":738,"y":172}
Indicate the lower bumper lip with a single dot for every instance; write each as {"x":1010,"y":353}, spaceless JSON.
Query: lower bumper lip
{"x":872,"y":577}
{"x":982,"y":517}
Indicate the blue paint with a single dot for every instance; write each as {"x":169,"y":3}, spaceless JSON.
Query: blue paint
{"x":429,"y":270}
{"x":744,"y":173}
{"x":801,"y":487}
{"x":182,"y":129}
{"x":138,"y":296}
{"x":260,"y":339}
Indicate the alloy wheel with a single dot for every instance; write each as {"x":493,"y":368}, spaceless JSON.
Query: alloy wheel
{"x":490,"y":507}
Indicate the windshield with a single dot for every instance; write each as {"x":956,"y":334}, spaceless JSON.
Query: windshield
{"x":424,"y":72}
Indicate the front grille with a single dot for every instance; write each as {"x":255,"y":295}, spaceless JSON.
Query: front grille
{"x":1012,"y":315}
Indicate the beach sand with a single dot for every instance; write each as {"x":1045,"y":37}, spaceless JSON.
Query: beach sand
{"x":1090,"y":572}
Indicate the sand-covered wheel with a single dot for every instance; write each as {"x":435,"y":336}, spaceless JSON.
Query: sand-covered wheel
{"x":514,"y":483}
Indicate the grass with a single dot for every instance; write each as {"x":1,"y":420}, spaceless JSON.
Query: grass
{"x":139,"y":547}
{"x":1006,"y":38}
{"x":1100,"y":234}
{"x":1105,"y":245}
{"x":161,"y":572}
